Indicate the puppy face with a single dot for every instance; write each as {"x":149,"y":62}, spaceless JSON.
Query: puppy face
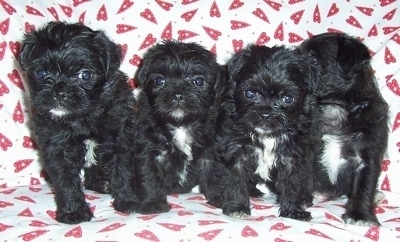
{"x":180,"y":80}
{"x":65,"y":66}
{"x":272,"y":85}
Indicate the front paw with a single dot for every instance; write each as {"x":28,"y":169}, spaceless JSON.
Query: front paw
{"x":76,"y":217}
{"x":126,"y":207}
{"x":153,"y":207}
{"x":365,"y":221}
{"x":298,"y":214}
{"x":240,"y":213}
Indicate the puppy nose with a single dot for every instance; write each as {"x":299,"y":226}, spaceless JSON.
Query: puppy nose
{"x":59,"y":92}
{"x":178,"y":98}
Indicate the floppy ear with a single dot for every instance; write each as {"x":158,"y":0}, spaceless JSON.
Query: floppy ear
{"x":236,"y":63}
{"x":25,"y":55}
{"x":351,"y":54}
{"x":110,"y":52}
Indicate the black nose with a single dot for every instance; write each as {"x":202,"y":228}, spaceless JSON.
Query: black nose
{"x":265,"y":116}
{"x":59,"y":92}
{"x":178,"y":98}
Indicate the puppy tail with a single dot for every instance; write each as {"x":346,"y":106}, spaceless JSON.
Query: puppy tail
{"x":351,"y":54}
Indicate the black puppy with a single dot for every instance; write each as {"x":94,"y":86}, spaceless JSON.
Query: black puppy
{"x":82,"y":115}
{"x":354,"y":124}
{"x":265,"y":132}
{"x":179,"y":86}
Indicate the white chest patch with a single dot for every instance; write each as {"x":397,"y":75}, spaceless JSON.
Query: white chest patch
{"x":265,"y":157}
{"x":58,"y":112}
{"x":331,"y":158}
{"x":90,"y":155}
{"x":182,"y":139}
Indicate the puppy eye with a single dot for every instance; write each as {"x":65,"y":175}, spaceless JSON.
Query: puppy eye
{"x":85,"y":75}
{"x":159,"y":81}
{"x":288,"y":99}
{"x":249,"y":94}
{"x":40,"y":74}
{"x":198,"y":81}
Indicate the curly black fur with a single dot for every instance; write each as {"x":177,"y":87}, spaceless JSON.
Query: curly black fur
{"x":354,"y":123}
{"x":179,"y":86}
{"x":82,"y":115}
{"x":265,"y":135}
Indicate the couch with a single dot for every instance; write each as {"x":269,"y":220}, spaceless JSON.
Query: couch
{"x":27,"y":206}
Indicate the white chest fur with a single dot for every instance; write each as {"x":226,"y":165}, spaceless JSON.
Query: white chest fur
{"x":182,"y":139}
{"x":265,"y":157}
{"x":331,"y":158}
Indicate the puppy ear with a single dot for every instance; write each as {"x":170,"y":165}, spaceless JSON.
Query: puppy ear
{"x":25,"y":55}
{"x":110,"y":51}
{"x":351,"y":54}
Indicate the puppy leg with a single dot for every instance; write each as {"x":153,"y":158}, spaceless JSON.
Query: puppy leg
{"x":222,"y":190}
{"x":66,"y":181}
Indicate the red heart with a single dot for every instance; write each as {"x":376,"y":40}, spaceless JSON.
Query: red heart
{"x":148,"y":41}
{"x":385,"y":186}
{"x":296,"y":17}
{"x":3,"y":46}
{"x":167,"y":32}
{"x":331,"y":217}
{"x":147,"y":234}
{"x":184,"y":213}
{"x":82,"y":17}
{"x":210,"y":235}
{"x":173,"y":227}
{"x":15,"y":47}
{"x":124,"y":6}
{"x":333,"y":10}
{"x":187,"y":16}
{"x":263,"y":39}
{"x":37,"y":223}
{"x":77,"y":2}
{"x":148,"y":15}
{"x":18,"y":115}
{"x":123,"y":28}
{"x":373,"y":233}
{"x":279,"y":32}
{"x":293,"y":38}
{"x":249,"y":232}
{"x":53,"y":12}
{"x":33,"y":11}
{"x":279,"y":226}
{"x":390,"y":14}
{"x":365,"y":10}
{"x":35,"y":181}
{"x":9,"y":191}
{"x":32,"y":235}
{"x":5,"y":204}
{"x":260,"y":14}
{"x":209,"y":222}
{"x":25,"y":198}
{"x":295,"y":1}
{"x":389,"y":57}
{"x":186,"y":34}
{"x":75,"y":232}
{"x":8,"y":8}
{"x":214,"y":11}
{"x":386,"y":163}
{"x":236,"y":4}
{"x":135,"y":60}
{"x":102,"y":13}
{"x":35,"y":189}
{"x":275,"y":5}
{"x":316,"y":15}
{"x":389,"y":30}
{"x":22,"y":164}
{"x":66,"y":9}
{"x":4,"y":26}
{"x":29,"y":28}
{"x":237,"y":45}
{"x":124,"y":49}
{"x":373,"y":31}
{"x":26,"y":213}
{"x":15,"y":78}
{"x":386,"y":2}
{"x":213,"y":33}
{"x":5,"y":142}
{"x":353,"y":21}
{"x":3,"y":88}
{"x":185,"y":2}
{"x":317,"y":233}
{"x":4,"y":227}
{"x":164,"y":5}
{"x":148,"y":217}
{"x":111,"y":227}
{"x":261,"y":207}
{"x":238,"y":24}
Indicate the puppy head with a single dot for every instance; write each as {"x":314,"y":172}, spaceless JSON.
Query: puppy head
{"x":67,"y":67}
{"x":338,"y":59}
{"x":180,"y":80}
{"x":272,"y":87}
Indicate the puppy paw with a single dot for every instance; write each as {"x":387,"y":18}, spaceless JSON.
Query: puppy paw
{"x":76,"y":217}
{"x":153,"y":207}
{"x":126,"y":207}
{"x":241,"y":213}
{"x":100,"y":187}
{"x":296,"y":214}
{"x":365,"y":222}
{"x":379,"y":197}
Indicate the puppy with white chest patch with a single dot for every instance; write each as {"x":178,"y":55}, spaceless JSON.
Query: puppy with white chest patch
{"x":265,"y":135}
{"x":179,"y":86}
{"x":354,"y":124}
{"x":82,"y":115}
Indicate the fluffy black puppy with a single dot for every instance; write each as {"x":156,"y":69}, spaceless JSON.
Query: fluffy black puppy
{"x":265,"y":133}
{"x":179,"y":86}
{"x":82,"y":109}
{"x":354,"y":124}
